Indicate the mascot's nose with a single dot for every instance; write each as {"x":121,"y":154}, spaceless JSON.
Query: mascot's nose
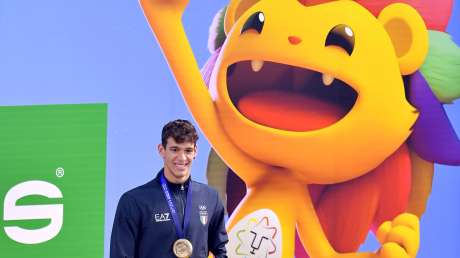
{"x":294,"y":40}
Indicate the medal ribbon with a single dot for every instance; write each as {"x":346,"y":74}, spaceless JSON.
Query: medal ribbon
{"x":180,"y":232}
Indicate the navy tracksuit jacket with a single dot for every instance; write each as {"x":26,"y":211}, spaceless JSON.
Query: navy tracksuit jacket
{"x":143,"y":226}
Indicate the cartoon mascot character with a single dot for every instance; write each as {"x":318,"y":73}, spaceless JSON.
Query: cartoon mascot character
{"x":321,"y":109}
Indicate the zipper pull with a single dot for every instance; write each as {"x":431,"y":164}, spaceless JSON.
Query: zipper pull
{"x":182,"y":187}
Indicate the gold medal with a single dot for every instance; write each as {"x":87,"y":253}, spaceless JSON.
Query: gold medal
{"x":182,"y":248}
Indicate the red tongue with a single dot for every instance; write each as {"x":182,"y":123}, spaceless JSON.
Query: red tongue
{"x":288,"y":110}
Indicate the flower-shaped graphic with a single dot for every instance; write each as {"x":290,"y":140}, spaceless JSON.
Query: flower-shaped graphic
{"x":256,"y":239}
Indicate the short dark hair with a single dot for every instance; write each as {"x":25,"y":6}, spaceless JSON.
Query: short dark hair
{"x":180,"y":130}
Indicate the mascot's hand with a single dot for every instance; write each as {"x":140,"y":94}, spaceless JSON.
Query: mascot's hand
{"x":400,"y":237}
{"x":166,"y":6}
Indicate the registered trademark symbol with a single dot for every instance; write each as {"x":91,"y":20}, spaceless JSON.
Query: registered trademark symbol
{"x":59,"y":172}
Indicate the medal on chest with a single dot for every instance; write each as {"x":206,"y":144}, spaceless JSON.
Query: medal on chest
{"x":182,"y":247}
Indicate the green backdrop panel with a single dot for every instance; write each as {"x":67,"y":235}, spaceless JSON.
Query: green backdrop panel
{"x":52,"y":180}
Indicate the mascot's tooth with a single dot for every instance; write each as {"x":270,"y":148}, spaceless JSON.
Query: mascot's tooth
{"x":327,"y":79}
{"x":257,"y":65}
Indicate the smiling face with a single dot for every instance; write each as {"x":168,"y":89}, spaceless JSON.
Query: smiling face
{"x":314,"y":89}
{"x":177,"y":159}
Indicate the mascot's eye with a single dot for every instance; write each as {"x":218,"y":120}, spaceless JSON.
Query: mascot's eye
{"x":341,"y":36}
{"x":254,"y":22}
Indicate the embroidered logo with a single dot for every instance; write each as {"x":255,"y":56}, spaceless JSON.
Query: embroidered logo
{"x":203,"y":214}
{"x":161,"y":217}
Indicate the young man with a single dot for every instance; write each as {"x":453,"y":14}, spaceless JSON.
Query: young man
{"x":172,"y":215}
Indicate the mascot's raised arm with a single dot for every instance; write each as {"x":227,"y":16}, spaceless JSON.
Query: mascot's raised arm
{"x":317,"y":106}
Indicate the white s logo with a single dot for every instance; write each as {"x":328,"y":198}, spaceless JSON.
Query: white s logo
{"x":55,"y":212}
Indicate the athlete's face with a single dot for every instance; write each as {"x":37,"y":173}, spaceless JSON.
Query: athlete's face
{"x":177,"y":159}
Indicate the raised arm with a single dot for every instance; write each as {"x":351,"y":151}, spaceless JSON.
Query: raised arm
{"x":164,"y":17}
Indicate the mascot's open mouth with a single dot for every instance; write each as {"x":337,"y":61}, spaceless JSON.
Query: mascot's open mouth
{"x":287,"y":97}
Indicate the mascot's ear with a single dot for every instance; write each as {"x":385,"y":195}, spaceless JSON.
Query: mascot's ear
{"x":408,"y":33}
{"x":234,"y":10}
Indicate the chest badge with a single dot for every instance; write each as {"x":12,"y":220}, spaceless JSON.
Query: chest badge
{"x":203,"y":214}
